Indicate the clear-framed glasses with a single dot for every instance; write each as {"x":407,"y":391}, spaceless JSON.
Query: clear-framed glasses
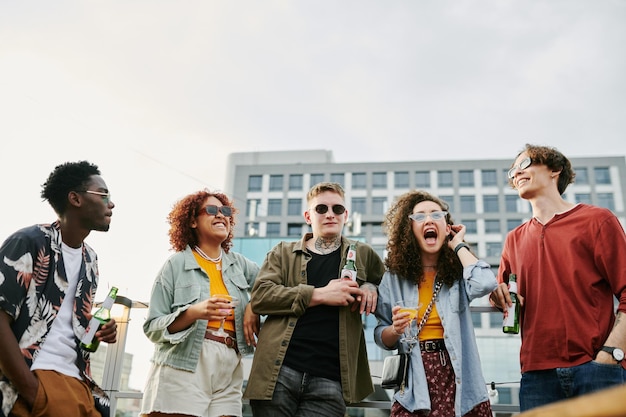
{"x":523,"y":164}
{"x":213,"y":210}
{"x":421,"y":217}
{"x":323,"y":208}
{"x":106,"y":197}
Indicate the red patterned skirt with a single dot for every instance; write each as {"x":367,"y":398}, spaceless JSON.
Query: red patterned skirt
{"x":442,"y":390}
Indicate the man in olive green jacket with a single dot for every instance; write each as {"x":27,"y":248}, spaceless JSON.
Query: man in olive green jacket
{"x":311,"y":358}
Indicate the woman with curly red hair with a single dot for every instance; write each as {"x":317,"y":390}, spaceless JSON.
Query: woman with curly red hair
{"x":196,"y":372}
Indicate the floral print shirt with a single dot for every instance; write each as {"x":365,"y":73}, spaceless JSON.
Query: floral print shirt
{"x":32,"y":287}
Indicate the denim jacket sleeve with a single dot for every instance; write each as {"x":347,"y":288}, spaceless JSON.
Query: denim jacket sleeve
{"x":172,"y":293}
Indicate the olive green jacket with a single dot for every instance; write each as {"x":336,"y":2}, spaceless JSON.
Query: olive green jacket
{"x":281,"y":292}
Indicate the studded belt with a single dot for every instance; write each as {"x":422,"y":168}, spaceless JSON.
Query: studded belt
{"x":434,"y":345}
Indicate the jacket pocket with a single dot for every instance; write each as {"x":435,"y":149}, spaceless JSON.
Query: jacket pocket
{"x":186,"y":295}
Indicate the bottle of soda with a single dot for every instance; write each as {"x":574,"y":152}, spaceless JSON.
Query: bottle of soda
{"x":103,"y":315}
{"x":511,"y":321}
{"x":349,"y":269}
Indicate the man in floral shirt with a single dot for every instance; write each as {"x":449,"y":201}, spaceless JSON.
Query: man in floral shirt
{"x":48,"y":280}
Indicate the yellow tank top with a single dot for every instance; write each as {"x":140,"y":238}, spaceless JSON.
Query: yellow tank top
{"x":217,"y":286}
{"x":433,"y":328}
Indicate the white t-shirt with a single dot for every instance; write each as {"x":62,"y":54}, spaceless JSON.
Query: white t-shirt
{"x":58,"y":352}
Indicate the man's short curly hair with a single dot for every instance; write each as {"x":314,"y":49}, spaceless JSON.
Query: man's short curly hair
{"x":554,"y":160}
{"x":69,"y":176}
{"x":186,"y":210}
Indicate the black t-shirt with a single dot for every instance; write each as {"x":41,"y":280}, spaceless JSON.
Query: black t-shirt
{"x":314,"y":346}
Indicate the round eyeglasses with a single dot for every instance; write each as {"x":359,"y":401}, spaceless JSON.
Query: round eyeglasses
{"x":421,"y":217}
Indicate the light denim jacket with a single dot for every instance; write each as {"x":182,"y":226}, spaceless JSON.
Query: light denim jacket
{"x":182,"y":283}
{"x":453,"y":308}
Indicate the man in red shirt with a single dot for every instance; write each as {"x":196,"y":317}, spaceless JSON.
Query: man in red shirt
{"x":570,"y":261}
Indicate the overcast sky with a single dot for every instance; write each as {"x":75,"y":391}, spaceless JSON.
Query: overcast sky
{"x":158,"y":93}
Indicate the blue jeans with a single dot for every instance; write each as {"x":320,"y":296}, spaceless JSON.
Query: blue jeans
{"x":538,"y":388}
{"x":300,"y":394}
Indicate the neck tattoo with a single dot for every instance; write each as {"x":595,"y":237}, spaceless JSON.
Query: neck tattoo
{"x":326,"y":246}
{"x":216,"y":261}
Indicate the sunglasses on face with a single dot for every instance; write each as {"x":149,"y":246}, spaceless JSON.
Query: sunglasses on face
{"x":106,"y":197}
{"x":421,"y":217}
{"x":524,"y":163}
{"x":323,"y":208}
{"x":213,"y":210}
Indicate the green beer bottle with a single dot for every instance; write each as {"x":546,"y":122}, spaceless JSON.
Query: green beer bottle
{"x":103,"y":315}
{"x":511,"y":321}
{"x":349,"y":269}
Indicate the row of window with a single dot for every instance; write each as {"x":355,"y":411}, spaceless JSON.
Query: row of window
{"x":379,"y":205}
{"x":401,"y":179}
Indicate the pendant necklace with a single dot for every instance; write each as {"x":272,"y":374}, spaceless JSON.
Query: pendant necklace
{"x":217,"y":261}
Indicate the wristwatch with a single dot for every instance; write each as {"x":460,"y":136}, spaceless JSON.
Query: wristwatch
{"x":618,"y":354}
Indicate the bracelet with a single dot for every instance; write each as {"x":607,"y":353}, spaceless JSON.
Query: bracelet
{"x":393,"y":329}
{"x":461,"y":246}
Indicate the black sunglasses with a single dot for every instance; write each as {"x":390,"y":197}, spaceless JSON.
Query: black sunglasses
{"x":213,"y":210}
{"x":323,"y":208}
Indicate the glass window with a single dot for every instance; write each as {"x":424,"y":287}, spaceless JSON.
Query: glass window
{"x":316,"y":179}
{"x":273,"y":229}
{"x":468,"y":204}
{"x":255,"y":182}
{"x":477,"y":319}
{"x":422,"y":179}
{"x":252,"y":228}
{"x":359,"y":181}
{"x":379,"y":180}
{"x":338,"y":178}
{"x":276,"y":182}
{"x":358,"y":205}
{"x":401,"y":179}
{"x":470,"y":226}
{"x":505,"y":177}
{"x":490,"y":204}
{"x":466,"y":178}
{"x":295,"y":181}
{"x":253,"y":202}
{"x":582,"y":176}
{"x":583,"y":198}
{"x":512,"y":224}
{"x":603,"y":176}
{"x":489,"y":177}
{"x":294,"y":206}
{"x":294,"y":229}
{"x":379,"y":205}
{"x":377,"y":229}
{"x":505,"y":395}
{"x":444,"y":178}
{"x":274,"y":207}
{"x":606,"y":200}
{"x":495,"y":321}
{"x":510,"y":202}
{"x":492,"y":226}
{"x":449,"y":200}
{"x":494,"y":249}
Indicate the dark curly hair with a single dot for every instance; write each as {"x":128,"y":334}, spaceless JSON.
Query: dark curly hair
{"x":403,"y":257}
{"x":69,"y":176}
{"x":186,"y":210}
{"x":554,"y":160}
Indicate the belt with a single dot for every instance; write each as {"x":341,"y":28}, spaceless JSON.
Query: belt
{"x":229,"y":341}
{"x":434,"y":345}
